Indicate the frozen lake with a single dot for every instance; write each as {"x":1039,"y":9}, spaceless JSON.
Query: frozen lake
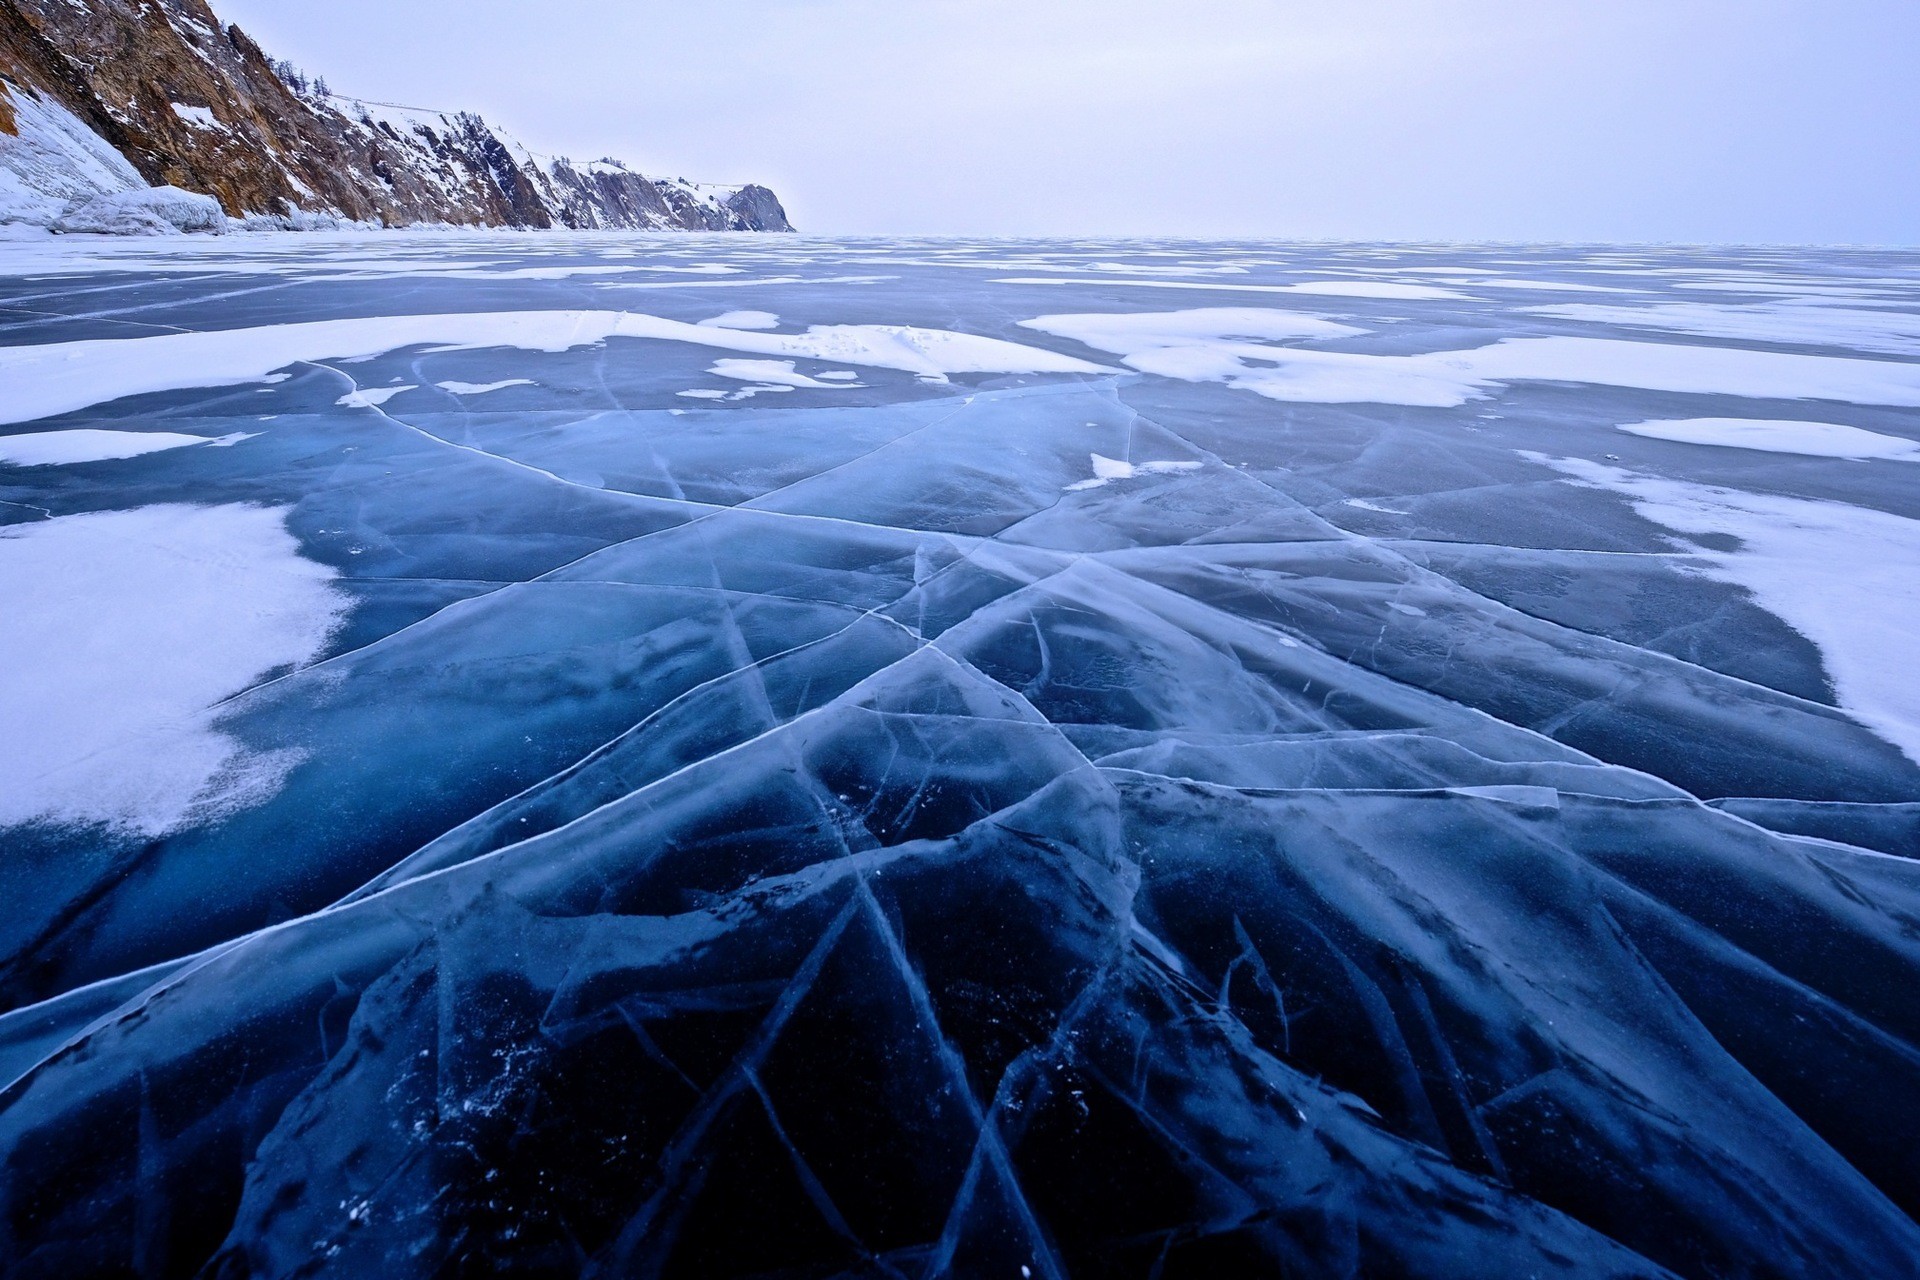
{"x":718,"y":756}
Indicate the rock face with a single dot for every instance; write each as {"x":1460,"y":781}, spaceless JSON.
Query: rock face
{"x":191,"y":104}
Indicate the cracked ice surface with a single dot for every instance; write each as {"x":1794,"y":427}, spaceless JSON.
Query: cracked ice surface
{"x":1145,"y":759}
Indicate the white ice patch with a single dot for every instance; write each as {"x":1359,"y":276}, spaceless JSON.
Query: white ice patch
{"x":1811,"y":439}
{"x":1802,"y":324}
{"x":776,"y":372}
{"x":1107,"y":470}
{"x":743,"y":320}
{"x":1847,"y":578}
{"x":483,"y":388}
{"x":371,"y":397}
{"x":39,"y":381}
{"x":123,"y":629}
{"x":1446,"y":379}
{"x":57,"y":448}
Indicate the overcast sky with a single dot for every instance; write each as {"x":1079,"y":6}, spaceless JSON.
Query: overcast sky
{"x":1718,"y":120}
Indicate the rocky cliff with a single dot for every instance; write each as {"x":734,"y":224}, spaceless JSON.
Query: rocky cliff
{"x":100,"y":96}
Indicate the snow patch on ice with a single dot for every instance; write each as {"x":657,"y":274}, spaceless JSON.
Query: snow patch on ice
{"x":1810,"y":439}
{"x":57,"y":448}
{"x":122,"y":630}
{"x":50,"y":378}
{"x":1198,"y":349}
{"x":1802,"y":324}
{"x":1126,"y":333}
{"x":483,"y":388}
{"x":371,"y":397}
{"x":1323,"y":288}
{"x":1842,"y":576}
{"x":779,"y":372}
{"x":1107,"y":470}
{"x":1375,"y":289}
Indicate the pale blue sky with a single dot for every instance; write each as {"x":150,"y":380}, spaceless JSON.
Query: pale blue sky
{"x":1720,"y":120}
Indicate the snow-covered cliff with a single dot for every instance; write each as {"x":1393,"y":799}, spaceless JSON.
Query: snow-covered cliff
{"x":109,"y":96}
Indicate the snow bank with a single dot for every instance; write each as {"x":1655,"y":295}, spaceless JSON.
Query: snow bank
{"x":122,"y":630}
{"x":1842,"y":576}
{"x":1811,"y":439}
{"x":51,"y":378}
{"x":159,"y":211}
